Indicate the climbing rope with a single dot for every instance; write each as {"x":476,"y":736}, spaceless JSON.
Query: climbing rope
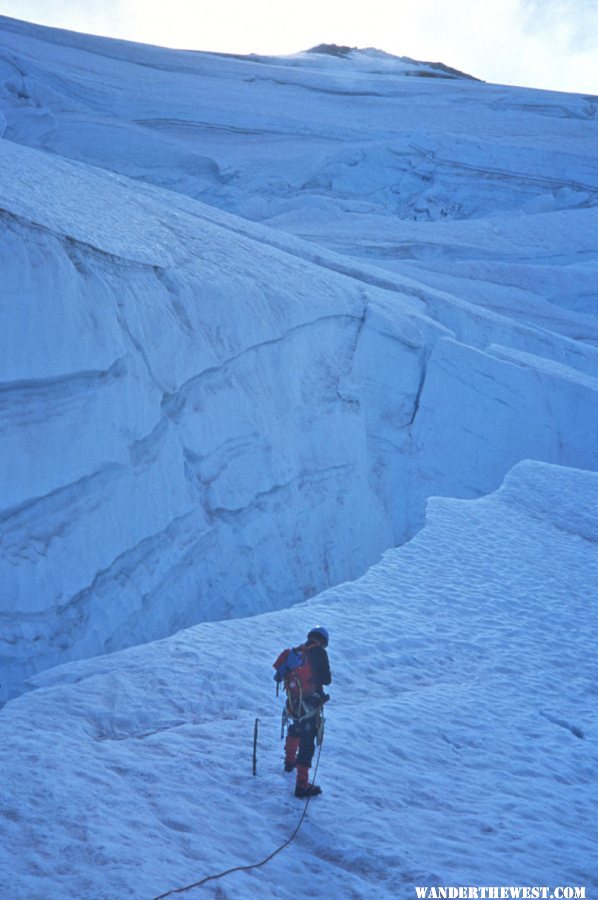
{"x":257,"y":865}
{"x":292,"y":683}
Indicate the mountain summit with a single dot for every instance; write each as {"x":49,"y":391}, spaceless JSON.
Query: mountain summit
{"x":410,"y":66}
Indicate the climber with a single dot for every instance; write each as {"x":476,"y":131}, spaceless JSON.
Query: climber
{"x":304,"y":670}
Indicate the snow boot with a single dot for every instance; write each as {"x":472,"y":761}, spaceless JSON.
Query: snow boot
{"x":311,"y":790}
{"x":290,"y":752}
{"x":303,"y":788}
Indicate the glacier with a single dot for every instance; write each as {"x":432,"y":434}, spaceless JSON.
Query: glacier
{"x":286,"y":341}
{"x":256,"y":311}
{"x":460,"y":744}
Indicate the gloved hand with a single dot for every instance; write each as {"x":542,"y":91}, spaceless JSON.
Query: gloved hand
{"x":325,"y":698}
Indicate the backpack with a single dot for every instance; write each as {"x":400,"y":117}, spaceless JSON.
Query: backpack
{"x":287,"y":662}
{"x":294,"y":670}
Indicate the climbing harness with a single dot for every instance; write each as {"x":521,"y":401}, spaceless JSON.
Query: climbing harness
{"x":309,"y":713}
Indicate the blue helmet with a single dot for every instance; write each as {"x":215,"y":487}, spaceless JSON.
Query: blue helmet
{"x":319,"y":633}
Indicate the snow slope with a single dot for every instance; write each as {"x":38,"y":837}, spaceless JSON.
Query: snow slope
{"x":255,"y":311}
{"x":461,"y":742}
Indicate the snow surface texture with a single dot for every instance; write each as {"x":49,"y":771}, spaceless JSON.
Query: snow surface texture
{"x":255,"y":311}
{"x":461,"y":741}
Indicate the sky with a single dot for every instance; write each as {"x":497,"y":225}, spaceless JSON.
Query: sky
{"x":537,"y":43}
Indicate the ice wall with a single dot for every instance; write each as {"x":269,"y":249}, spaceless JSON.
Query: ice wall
{"x":181,"y":442}
{"x":204,"y":417}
